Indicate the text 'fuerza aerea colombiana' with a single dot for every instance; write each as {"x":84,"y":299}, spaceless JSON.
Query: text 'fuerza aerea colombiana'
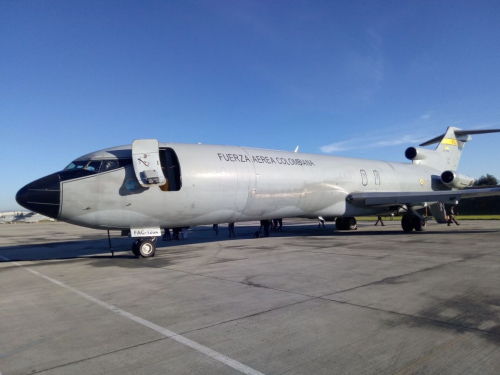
{"x":235,"y":158}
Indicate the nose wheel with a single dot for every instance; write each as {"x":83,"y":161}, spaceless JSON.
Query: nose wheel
{"x":346,"y":223}
{"x":144,"y":247}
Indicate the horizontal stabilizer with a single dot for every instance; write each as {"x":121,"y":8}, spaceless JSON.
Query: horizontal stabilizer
{"x":438,"y":139}
{"x":468,"y":132}
{"x":459,"y":133}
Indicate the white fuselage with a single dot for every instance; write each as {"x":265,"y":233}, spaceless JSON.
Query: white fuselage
{"x":228,"y":184}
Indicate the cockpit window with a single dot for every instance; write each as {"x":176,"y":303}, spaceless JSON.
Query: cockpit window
{"x":98,"y":166}
{"x":77,"y":164}
{"x":94,"y":166}
{"x":109,"y":165}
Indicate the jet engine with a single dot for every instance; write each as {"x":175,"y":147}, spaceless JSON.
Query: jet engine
{"x":416,"y":153}
{"x":456,"y":180}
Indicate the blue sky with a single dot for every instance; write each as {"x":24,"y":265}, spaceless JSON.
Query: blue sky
{"x":352,"y":78}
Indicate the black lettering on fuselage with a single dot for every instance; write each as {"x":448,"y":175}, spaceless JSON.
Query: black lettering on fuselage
{"x":261,"y":159}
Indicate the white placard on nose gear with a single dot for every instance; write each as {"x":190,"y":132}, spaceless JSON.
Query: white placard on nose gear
{"x":145,"y":232}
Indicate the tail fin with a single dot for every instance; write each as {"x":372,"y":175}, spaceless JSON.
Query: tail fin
{"x":447,"y":154}
{"x":450,"y":149}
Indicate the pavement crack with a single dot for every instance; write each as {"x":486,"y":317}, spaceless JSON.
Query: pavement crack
{"x":245,"y":282}
{"x":98,"y":356}
{"x":412,"y":316}
{"x":353,"y":343}
{"x":392,"y":279}
{"x":250,"y":315}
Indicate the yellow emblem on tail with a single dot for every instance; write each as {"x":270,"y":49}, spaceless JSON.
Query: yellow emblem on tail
{"x":449,"y":141}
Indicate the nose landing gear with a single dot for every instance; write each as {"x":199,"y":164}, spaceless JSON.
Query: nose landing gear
{"x":346,"y":223}
{"x":144,"y":247}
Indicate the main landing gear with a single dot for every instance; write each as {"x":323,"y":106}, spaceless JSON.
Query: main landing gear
{"x":346,"y":223}
{"x":412,"y":221}
{"x":144,"y":247}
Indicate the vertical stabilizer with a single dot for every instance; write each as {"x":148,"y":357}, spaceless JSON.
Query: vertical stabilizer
{"x":450,"y":148}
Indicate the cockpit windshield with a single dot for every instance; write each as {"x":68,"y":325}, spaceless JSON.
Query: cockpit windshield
{"x":98,"y":166}
{"x":77,"y":164}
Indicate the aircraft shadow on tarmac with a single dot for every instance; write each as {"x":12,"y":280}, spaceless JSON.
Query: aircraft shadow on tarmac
{"x":98,"y":248}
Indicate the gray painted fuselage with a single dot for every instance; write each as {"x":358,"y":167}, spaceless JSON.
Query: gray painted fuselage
{"x":228,"y":184}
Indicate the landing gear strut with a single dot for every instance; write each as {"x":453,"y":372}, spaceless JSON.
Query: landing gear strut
{"x":144,"y":247}
{"x":346,"y":223}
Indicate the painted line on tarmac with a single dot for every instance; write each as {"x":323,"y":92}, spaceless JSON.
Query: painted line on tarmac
{"x":167,"y":333}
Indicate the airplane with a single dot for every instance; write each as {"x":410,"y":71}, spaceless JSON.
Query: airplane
{"x":31,"y":217}
{"x":146,"y":186}
{"x":7,"y":218}
{"x":13,"y":217}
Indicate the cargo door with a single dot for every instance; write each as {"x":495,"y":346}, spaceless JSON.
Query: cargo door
{"x":146,"y":161}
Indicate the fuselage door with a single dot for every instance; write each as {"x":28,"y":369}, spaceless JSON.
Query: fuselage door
{"x":146,"y":160}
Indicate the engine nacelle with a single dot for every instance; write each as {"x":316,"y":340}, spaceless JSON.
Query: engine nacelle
{"x":456,"y":180}
{"x":417,"y":153}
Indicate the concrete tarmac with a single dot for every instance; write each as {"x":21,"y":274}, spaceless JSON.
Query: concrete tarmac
{"x":304,"y":301}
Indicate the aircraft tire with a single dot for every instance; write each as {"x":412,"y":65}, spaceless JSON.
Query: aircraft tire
{"x":351,"y":223}
{"x":419,"y":225}
{"x":340,"y":223}
{"x":147,"y":248}
{"x":407,"y":223}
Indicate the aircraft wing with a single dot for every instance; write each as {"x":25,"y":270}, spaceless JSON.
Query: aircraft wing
{"x":397,"y":198}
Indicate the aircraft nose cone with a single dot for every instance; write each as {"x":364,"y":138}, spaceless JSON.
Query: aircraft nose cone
{"x":42,"y":196}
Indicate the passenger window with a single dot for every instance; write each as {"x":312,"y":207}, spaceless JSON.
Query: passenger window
{"x":364,"y":177}
{"x":377,"y":177}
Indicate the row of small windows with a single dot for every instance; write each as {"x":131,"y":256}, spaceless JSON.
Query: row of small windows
{"x":364,"y":177}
